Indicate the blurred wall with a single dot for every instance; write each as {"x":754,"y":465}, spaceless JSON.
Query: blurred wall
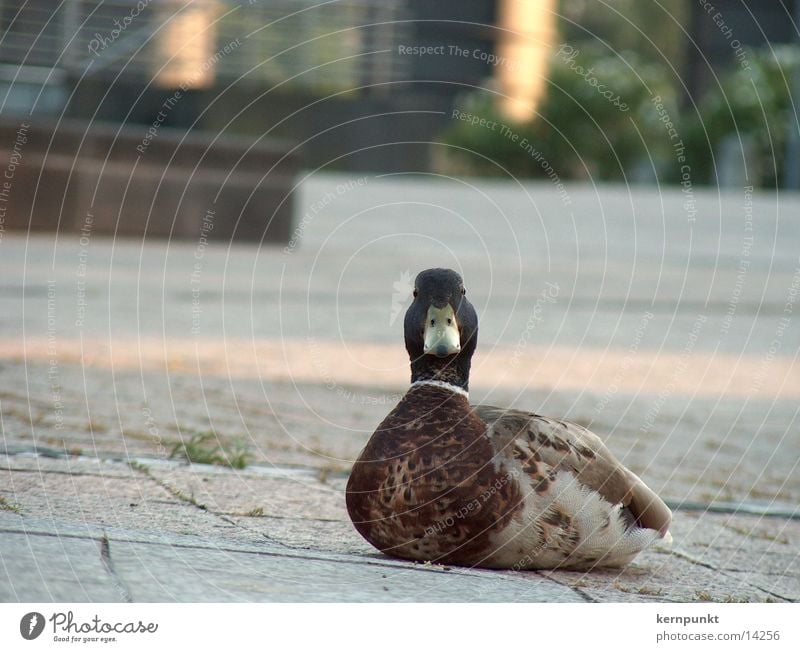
{"x":343,"y":81}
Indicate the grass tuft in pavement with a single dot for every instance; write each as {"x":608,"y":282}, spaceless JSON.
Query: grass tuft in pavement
{"x":207,"y":448}
{"x":9,"y":507}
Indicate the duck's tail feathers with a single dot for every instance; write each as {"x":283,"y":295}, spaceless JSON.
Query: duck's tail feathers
{"x":648,"y":509}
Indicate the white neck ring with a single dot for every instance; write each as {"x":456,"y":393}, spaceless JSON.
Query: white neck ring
{"x":440,"y":383}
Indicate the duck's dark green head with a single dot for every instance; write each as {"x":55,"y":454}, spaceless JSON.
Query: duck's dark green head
{"x":441,"y":328}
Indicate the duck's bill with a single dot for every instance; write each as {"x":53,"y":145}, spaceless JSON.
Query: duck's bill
{"x":441,"y":332}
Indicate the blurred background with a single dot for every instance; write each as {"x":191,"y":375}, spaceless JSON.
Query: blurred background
{"x":212,"y":213}
{"x":371,"y":86}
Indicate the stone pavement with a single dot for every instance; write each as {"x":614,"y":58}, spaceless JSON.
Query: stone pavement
{"x":99,"y":515}
{"x":114,"y":355}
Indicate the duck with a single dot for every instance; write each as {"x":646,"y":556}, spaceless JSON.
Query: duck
{"x":447,"y":482}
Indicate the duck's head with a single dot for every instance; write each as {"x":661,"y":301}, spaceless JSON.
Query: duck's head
{"x":441,"y":328}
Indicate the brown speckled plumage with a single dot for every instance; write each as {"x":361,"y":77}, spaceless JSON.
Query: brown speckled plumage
{"x":426,"y":486}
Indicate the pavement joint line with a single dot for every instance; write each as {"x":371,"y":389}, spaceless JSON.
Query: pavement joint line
{"x":108,"y":564}
{"x":266,"y":536}
{"x":300,"y":519}
{"x":575,"y":589}
{"x":733,"y":508}
{"x":699,"y":562}
{"x":176,"y":492}
{"x":70,"y":473}
{"x":298,"y":554}
{"x":769,"y":573}
{"x":140,"y":460}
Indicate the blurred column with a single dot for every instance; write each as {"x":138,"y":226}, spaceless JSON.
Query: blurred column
{"x":792,"y":168}
{"x":186,"y":44}
{"x":525,"y":41}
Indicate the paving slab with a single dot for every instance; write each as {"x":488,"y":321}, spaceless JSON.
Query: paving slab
{"x":49,"y":568}
{"x":133,"y":566}
{"x":187,"y":539}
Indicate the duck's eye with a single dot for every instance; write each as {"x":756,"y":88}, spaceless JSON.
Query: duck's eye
{"x":433,"y":322}
{"x":449,"y":321}
{"x":463,"y":291}
{"x":415,"y":294}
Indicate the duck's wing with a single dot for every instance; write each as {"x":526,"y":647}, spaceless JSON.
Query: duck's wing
{"x":567,"y":446}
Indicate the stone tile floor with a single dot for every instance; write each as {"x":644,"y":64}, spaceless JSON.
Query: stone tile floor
{"x":114,"y":354}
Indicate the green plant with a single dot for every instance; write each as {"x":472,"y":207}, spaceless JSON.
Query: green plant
{"x":751,"y":104}
{"x":207,"y":448}
{"x":596,"y":120}
{"x":9,"y":507}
